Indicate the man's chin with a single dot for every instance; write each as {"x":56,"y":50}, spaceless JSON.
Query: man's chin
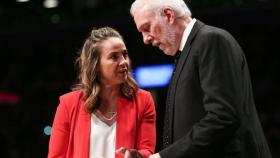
{"x":167,"y":52}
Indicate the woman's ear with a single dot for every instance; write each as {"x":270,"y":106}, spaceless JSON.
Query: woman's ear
{"x":169,"y":14}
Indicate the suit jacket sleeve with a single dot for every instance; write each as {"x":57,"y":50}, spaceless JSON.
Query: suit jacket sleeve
{"x":219,"y":69}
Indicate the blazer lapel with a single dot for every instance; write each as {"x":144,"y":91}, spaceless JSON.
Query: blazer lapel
{"x":126,"y":124}
{"x":84,"y":127}
{"x":187,"y":49}
{"x":172,"y":88}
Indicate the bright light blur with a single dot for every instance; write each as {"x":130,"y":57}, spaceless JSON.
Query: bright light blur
{"x":153,"y":76}
{"x":47,"y":130}
{"x":22,"y":0}
{"x":50,"y":3}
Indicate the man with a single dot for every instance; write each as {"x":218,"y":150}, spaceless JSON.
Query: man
{"x":210,"y":111}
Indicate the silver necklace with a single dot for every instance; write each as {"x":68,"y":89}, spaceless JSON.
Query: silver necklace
{"x":113,"y":115}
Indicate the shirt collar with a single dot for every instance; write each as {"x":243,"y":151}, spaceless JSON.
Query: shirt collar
{"x":186,"y":34}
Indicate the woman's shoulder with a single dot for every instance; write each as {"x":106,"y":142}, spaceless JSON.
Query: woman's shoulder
{"x":71,"y":100}
{"x":145,"y":100}
{"x":143,"y":95}
{"x":142,"y":92}
{"x":72,"y":97}
{"x":72,"y":93}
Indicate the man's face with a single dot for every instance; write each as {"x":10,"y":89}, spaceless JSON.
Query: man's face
{"x":156,"y":30}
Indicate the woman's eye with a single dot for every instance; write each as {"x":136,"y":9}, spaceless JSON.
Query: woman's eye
{"x":125,"y":55}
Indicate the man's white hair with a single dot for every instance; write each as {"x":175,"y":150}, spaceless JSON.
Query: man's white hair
{"x":179,"y":6}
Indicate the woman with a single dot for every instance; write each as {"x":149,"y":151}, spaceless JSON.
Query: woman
{"x":106,"y":115}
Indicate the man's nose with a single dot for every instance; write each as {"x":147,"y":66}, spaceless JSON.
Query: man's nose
{"x":147,"y":39}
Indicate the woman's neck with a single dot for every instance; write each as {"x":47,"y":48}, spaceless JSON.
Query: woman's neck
{"x":108,"y":99}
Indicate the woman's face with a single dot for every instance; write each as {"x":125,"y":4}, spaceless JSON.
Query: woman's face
{"x":113,"y":62}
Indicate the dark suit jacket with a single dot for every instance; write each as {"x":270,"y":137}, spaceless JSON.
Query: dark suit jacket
{"x":210,"y":106}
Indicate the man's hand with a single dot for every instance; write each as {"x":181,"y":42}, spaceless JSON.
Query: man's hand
{"x":155,"y":156}
{"x":129,"y":153}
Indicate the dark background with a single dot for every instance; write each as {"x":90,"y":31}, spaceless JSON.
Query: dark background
{"x":38,"y":47}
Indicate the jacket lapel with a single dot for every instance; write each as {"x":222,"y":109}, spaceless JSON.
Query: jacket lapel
{"x":172,"y":88}
{"x":125,"y":124}
{"x":186,"y":49}
{"x":84,"y":128}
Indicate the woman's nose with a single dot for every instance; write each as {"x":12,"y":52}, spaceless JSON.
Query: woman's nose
{"x":124,"y":61}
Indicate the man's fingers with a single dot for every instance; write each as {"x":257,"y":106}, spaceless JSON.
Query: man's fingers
{"x":135,"y":154}
{"x":127,"y":154}
{"x":121,"y":151}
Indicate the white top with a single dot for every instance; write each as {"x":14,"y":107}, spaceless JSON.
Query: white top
{"x":186,"y":34}
{"x":102,"y":139}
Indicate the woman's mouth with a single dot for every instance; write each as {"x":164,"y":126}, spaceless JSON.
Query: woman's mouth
{"x":124,"y":70}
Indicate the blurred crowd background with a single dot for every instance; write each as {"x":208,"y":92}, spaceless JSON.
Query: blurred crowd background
{"x":39,"y":41}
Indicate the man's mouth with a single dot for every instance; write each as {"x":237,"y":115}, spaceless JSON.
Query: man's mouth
{"x":156,"y":44}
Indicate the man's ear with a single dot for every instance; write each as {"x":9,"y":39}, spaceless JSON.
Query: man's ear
{"x":169,"y":14}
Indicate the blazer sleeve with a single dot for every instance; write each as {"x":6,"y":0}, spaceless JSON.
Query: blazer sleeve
{"x":147,"y":129}
{"x":60,"y":132}
{"x":219,"y":68}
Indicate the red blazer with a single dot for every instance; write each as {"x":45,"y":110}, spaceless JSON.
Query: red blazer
{"x":70,"y":136}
